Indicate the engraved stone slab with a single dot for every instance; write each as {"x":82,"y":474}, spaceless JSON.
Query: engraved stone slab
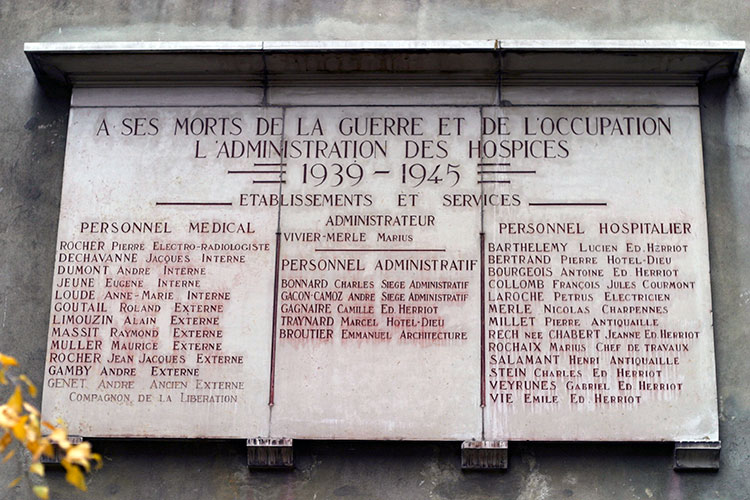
{"x":157,"y":328}
{"x":434,"y":272}
{"x":597,"y":286}
{"x":379,"y":291}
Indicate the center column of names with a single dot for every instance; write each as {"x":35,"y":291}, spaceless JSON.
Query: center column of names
{"x":378,"y":273}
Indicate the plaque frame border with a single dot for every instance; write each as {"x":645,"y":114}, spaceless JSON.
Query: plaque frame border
{"x":61,"y":66}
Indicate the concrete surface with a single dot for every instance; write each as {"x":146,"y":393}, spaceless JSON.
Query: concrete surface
{"x":33,"y":128}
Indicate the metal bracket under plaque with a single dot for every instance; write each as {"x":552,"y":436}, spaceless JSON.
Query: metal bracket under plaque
{"x":270,"y":453}
{"x":697,"y":455}
{"x":484,"y":455}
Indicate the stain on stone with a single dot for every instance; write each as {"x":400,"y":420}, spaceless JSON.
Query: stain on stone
{"x":446,"y":490}
{"x":32,"y":192}
{"x":346,"y":491}
{"x":32,"y":124}
{"x":567,"y":493}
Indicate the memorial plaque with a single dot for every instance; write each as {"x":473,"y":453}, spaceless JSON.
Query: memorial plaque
{"x":528,"y":272}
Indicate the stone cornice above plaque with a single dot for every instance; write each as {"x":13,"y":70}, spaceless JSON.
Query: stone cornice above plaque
{"x":398,"y":63}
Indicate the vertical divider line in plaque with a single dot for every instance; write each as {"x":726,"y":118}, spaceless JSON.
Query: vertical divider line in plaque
{"x":482,"y":275}
{"x":268,"y":173}
{"x":489,"y":176}
{"x":274,"y":328}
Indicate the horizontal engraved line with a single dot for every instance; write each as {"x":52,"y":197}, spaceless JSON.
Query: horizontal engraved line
{"x":507,"y":172}
{"x":256,"y":171}
{"x":568,"y":204}
{"x":493,"y":164}
{"x":194,"y":203}
{"x":493,"y":182}
{"x":268,"y":182}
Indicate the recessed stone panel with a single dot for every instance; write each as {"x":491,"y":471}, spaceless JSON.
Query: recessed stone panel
{"x":379,"y":296}
{"x":598,"y":301}
{"x":368,"y":271}
{"x":157,"y":328}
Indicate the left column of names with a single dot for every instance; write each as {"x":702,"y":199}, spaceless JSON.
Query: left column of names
{"x":157,"y":326}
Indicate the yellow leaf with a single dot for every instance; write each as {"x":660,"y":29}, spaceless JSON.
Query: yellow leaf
{"x":33,"y":432}
{"x":48,"y":425}
{"x":29,"y":384}
{"x":80,"y":454}
{"x":16,"y":400}
{"x":74,"y":475}
{"x":31,"y":409}
{"x":98,"y":459}
{"x":41,"y":492}
{"x":8,"y":417}
{"x":19,"y":430}
{"x":15,"y":482}
{"x":37,"y":468}
{"x":9,"y":455}
{"x":8,"y":360}
{"x":60,"y":436}
{"x":49,"y":450}
{"x":5,"y":441}
{"x":33,"y":447}
{"x":3,"y":379}
{"x":40,"y":447}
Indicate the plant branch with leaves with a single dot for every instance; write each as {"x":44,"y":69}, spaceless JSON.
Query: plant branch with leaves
{"x":24,"y":429}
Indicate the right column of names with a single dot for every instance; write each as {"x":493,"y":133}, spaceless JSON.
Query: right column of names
{"x":596,"y":282}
